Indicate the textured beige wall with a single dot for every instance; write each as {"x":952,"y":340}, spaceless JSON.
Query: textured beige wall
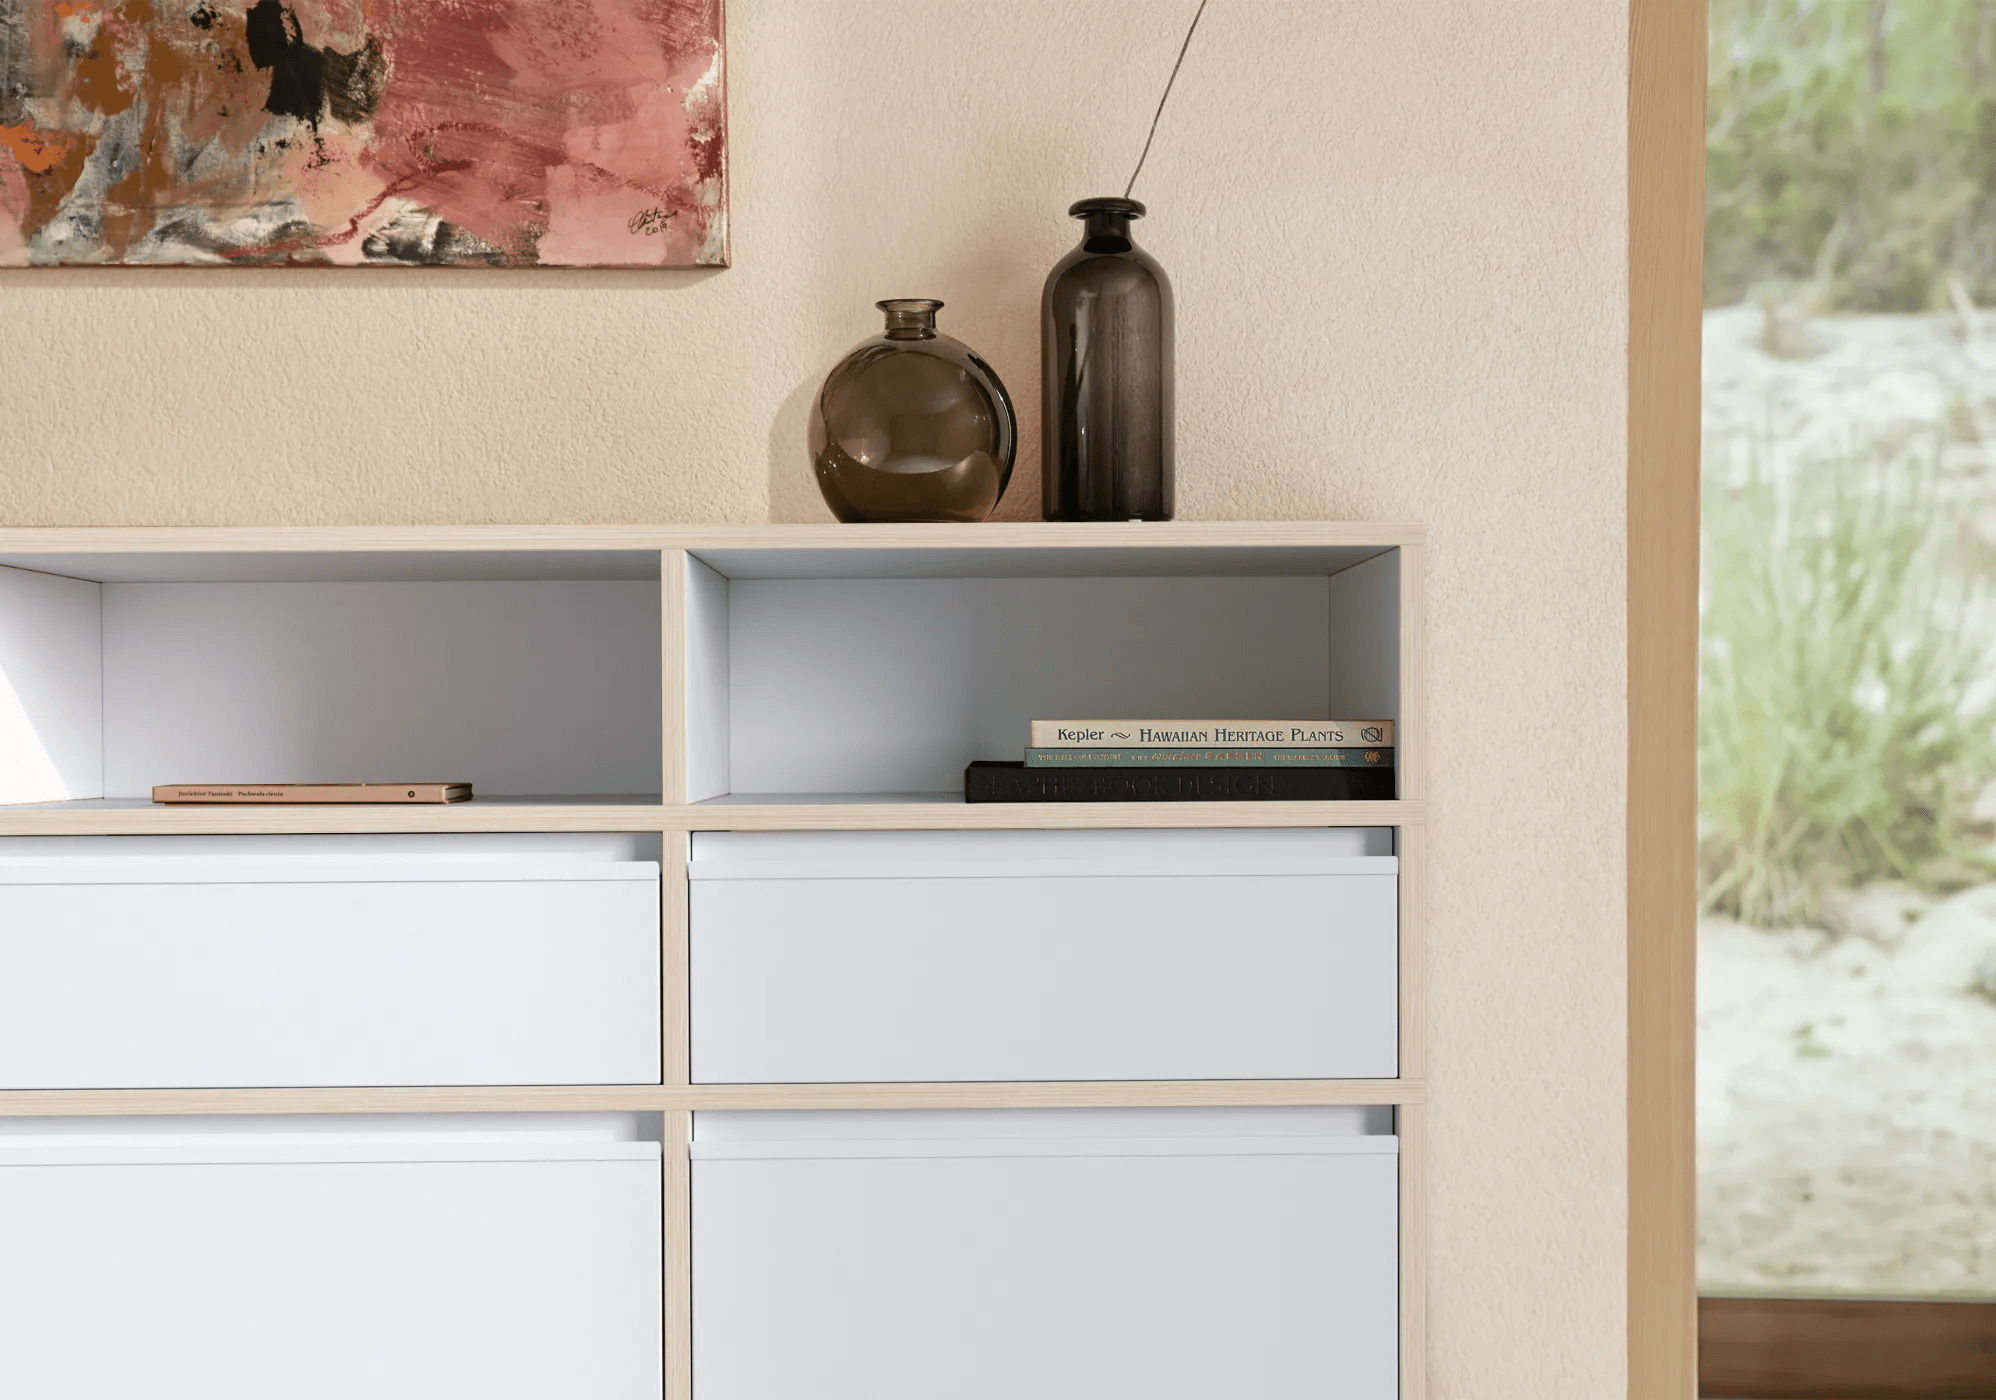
{"x":1396,"y":230}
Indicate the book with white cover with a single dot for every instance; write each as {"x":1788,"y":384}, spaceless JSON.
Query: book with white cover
{"x":1208,"y":733}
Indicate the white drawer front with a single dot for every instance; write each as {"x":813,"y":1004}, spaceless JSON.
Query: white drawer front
{"x":229,"y":1271}
{"x":977,"y":957}
{"x":220,"y":971}
{"x":1064,"y":1265}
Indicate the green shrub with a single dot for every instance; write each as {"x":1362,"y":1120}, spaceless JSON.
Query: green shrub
{"x":1840,"y":739}
{"x":1851,"y":152}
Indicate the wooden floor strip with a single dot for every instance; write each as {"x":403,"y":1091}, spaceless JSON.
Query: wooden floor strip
{"x":1845,"y":1349}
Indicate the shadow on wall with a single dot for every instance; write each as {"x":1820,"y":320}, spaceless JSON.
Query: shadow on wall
{"x":793,"y":494}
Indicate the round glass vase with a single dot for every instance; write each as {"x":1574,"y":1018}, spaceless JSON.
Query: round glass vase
{"x":1106,"y":375}
{"x":913,"y":425}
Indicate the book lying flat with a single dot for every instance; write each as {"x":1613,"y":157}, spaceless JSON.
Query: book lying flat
{"x":1211,"y":733}
{"x":1209,"y":758}
{"x":188,"y":794}
{"x":1014,"y":782}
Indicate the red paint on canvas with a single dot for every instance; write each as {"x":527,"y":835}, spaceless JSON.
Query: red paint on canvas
{"x":498,"y":132}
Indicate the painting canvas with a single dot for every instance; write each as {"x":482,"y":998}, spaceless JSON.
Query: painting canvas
{"x":503,"y":133}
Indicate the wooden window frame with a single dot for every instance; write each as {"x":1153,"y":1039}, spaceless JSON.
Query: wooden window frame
{"x":1770,"y":1348}
{"x":1846,"y":1349}
{"x":1666,"y":192}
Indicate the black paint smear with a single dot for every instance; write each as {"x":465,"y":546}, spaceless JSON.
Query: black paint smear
{"x":203,"y":16}
{"x":297,"y":70}
{"x":304,"y":80}
{"x":353,"y":81}
{"x":446,"y":245}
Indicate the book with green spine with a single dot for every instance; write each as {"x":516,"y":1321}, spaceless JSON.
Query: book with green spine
{"x":1209,"y":758}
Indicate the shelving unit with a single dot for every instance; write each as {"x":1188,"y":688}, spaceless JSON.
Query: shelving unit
{"x":809,"y":657}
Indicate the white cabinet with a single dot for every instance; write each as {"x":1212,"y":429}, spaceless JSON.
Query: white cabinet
{"x":510,"y":1258}
{"x":863,"y":939}
{"x":182,"y":962}
{"x":1067,"y":1255}
{"x":1016,"y":955}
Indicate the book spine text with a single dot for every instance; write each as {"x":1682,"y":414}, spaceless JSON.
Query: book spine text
{"x":1208,"y":733}
{"x":1209,"y":758}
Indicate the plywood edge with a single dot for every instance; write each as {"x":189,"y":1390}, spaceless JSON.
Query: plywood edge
{"x":672,"y":673}
{"x":89,"y":820}
{"x":1176,"y":534}
{"x":1155,"y":1093}
{"x":678,"y":1256}
{"x":675,"y":972}
{"x":86,"y":819}
{"x":1002,"y":535}
{"x":59,"y":1103}
{"x":1413,"y":1129}
{"x":316,"y":539}
{"x":1413,"y":852}
{"x":1037,"y":816}
{"x":1200,"y":1093}
{"x":1411,"y":756}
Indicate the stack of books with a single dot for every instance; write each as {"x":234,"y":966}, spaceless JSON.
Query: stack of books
{"x":1193,"y":761}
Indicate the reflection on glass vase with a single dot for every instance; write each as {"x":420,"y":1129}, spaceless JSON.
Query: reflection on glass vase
{"x":912,"y":425}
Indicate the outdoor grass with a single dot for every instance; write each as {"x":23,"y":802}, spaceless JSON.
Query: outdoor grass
{"x":1840,"y":737}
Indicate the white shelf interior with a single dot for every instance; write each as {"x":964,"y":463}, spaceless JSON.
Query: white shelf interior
{"x":520,"y":686}
{"x":884,"y":688}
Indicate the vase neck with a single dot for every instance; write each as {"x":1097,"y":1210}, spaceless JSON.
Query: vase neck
{"x":911,"y":318}
{"x":1106,"y":223}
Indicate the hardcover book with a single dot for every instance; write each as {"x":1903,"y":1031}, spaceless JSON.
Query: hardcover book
{"x":1014,"y":782}
{"x":1211,"y":733}
{"x":191,"y":794}
{"x":1209,"y":758}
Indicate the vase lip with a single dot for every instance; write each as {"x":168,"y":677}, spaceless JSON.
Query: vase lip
{"x":1106,"y":204}
{"x":909,"y":305}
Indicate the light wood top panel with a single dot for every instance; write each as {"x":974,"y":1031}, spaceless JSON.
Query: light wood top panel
{"x":1200,"y":1093}
{"x":137,"y":817}
{"x":762,"y":551}
{"x":416,"y":538}
{"x":947,"y":815}
{"x":196,"y":564}
{"x":119,"y":816}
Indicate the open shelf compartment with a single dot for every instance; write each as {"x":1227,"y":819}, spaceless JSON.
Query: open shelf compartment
{"x":872,"y":677}
{"x":523,"y":673}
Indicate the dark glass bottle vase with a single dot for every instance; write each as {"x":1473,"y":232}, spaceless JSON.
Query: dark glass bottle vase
{"x":912,"y":425}
{"x":1105,"y":368}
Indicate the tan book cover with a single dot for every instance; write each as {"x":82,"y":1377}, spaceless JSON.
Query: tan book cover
{"x":192,"y":794}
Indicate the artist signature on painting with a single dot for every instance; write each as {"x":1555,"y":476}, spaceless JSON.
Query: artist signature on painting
{"x":649,"y":221}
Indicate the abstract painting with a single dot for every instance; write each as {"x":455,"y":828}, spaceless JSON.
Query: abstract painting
{"x":503,"y":133}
